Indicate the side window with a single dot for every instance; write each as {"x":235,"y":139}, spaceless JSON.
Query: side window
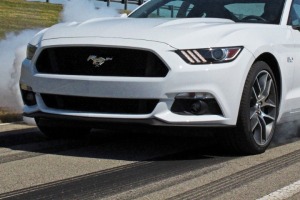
{"x":294,"y":19}
{"x":172,"y":9}
{"x":242,"y":10}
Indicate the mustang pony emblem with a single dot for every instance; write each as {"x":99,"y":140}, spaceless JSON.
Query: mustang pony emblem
{"x":98,"y":61}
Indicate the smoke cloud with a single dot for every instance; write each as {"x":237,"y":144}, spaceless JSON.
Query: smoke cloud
{"x":13,"y":49}
{"x":286,"y":132}
{"x":78,"y":10}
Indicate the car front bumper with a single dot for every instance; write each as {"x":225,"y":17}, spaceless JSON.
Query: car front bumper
{"x":222,"y":81}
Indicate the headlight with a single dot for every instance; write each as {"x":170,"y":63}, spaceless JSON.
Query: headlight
{"x":211,"y":55}
{"x":31,"y":49}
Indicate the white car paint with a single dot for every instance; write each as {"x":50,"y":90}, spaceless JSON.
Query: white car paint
{"x":163,"y":36}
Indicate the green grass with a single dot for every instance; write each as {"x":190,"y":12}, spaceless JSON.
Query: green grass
{"x":17,"y":15}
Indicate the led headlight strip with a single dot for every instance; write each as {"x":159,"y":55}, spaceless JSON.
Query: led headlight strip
{"x":209,"y":55}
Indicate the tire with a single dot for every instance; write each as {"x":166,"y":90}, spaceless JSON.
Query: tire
{"x":57,"y":130}
{"x":258,"y":111}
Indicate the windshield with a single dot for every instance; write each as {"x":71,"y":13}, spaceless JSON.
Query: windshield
{"x":249,"y":11}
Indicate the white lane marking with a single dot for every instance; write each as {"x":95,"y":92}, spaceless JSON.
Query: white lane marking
{"x":283,"y":193}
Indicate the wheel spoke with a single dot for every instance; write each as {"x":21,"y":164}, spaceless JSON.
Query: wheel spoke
{"x":263,"y":129}
{"x":262,"y":134}
{"x":257,"y":134}
{"x":267,"y":89}
{"x":264,"y":115}
{"x":258,"y":85}
{"x":265,"y":86}
{"x":254,"y":122}
{"x":254,"y":93}
{"x":263,"y":82}
{"x":266,"y":92}
{"x":268,"y":103}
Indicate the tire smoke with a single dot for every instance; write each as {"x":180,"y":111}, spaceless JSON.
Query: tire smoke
{"x":286,"y":132}
{"x":13,"y":50}
{"x":79,"y":11}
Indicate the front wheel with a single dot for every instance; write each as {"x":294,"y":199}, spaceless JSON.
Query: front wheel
{"x":258,"y":111}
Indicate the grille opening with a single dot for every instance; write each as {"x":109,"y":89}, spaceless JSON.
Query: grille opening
{"x":119,"y":62}
{"x":100,"y":105}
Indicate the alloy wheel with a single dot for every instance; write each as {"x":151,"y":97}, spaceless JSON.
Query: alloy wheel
{"x":263,"y":109}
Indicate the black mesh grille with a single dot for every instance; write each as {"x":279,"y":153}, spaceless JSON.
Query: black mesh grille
{"x":100,"y":105}
{"x":118,"y":62}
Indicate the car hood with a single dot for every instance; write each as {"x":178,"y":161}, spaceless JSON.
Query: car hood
{"x":178,"y":33}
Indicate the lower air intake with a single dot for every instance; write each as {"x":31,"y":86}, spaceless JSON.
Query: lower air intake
{"x":100,"y":105}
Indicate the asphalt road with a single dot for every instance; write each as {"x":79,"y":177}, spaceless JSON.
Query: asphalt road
{"x":140,"y":165}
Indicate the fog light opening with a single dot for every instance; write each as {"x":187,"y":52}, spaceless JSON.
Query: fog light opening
{"x":28,"y":95}
{"x":28,"y":98}
{"x":198,"y":108}
{"x":193,"y":103}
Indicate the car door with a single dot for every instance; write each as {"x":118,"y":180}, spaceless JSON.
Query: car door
{"x":294,"y":24}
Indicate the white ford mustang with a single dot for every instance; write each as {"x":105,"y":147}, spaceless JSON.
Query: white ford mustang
{"x":171,"y":63}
